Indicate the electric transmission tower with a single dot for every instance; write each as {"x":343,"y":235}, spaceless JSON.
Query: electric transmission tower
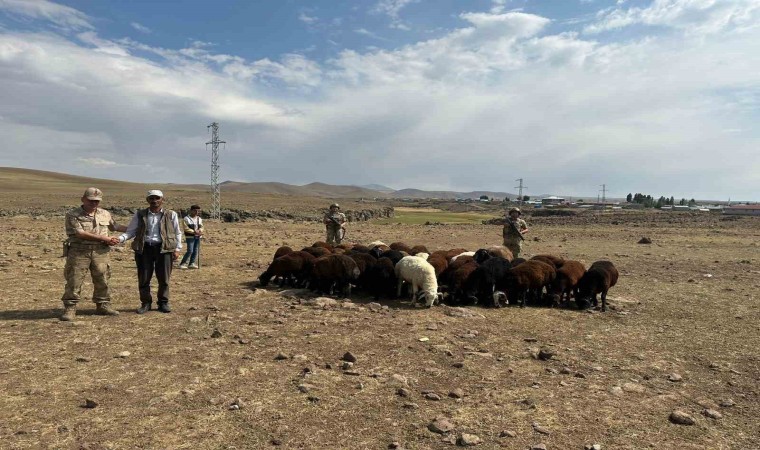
{"x":216,"y":204}
{"x":520,"y":192}
{"x":604,"y":193}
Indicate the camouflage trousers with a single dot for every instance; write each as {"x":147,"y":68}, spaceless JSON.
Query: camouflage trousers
{"x":334,"y":235}
{"x":514,"y":245}
{"x":81,"y":260}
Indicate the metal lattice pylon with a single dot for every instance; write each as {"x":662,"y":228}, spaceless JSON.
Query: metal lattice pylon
{"x":216,"y":203}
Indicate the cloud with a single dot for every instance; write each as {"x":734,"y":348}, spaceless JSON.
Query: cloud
{"x":502,"y":96}
{"x":305,"y":18}
{"x":693,"y":16}
{"x":141,"y":28}
{"x":60,"y":15}
{"x":366,"y":32}
{"x":392,"y":7}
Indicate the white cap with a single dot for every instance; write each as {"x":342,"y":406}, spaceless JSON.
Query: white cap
{"x":155,"y":192}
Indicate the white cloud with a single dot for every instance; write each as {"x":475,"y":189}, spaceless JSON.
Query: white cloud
{"x":141,"y":28}
{"x":392,"y":7}
{"x":305,"y":18}
{"x":499,"y":98}
{"x":60,"y":15}
{"x":693,"y":16}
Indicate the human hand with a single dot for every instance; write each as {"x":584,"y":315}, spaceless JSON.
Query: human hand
{"x":175,"y":256}
{"x":113,"y":241}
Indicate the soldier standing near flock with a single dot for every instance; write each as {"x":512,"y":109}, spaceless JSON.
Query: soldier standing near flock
{"x":335,"y":222}
{"x":513,"y":231}
{"x":87,"y":248}
{"x":158,"y":241}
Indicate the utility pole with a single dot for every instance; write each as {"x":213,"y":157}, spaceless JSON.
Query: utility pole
{"x":216,"y":204}
{"x":604,"y":193}
{"x":520,"y":192}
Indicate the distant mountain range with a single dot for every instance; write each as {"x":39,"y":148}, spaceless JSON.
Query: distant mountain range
{"x":29,"y":180}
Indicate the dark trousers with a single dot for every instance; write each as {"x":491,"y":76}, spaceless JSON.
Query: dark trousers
{"x":149,"y":261}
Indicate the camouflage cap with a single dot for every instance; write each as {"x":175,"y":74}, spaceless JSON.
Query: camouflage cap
{"x":335,"y":205}
{"x":515,"y":209}
{"x":92,"y":193}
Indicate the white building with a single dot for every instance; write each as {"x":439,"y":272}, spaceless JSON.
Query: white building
{"x":553,"y":200}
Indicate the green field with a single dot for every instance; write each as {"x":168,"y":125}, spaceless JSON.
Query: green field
{"x":421,"y":217}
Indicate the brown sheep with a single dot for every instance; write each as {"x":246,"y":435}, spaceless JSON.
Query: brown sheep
{"x":400,"y":246}
{"x":500,"y":250}
{"x":418,"y":249}
{"x":454,"y":252}
{"x":600,"y":277}
{"x":457,"y":279}
{"x":334,"y":272}
{"x":439,"y":263}
{"x":360,"y":248}
{"x":552,"y":260}
{"x":282,"y":251}
{"x":567,"y":280}
{"x":323,"y":245}
{"x":295,"y":267}
{"x":531,"y":276}
{"x":316,"y":251}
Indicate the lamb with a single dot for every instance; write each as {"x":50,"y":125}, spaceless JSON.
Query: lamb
{"x":295,"y":266}
{"x":334,"y":271}
{"x":380,"y":278}
{"x":421,"y":275}
{"x":552,"y":260}
{"x":600,"y":277}
{"x":567,"y":280}
{"x":531,"y":275}
{"x":400,"y":246}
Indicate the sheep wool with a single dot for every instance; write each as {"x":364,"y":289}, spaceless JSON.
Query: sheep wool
{"x":420,"y":274}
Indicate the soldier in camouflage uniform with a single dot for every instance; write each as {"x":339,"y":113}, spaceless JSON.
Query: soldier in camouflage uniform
{"x":513,"y":231}
{"x":335,"y":222}
{"x":87,"y":249}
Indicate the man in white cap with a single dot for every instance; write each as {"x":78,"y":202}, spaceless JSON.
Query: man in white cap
{"x":87,"y":249}
{"x":158,"y":241}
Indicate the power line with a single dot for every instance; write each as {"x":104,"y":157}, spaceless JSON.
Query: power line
{"x":520,"y":192}
{"x":216,"y":204}
{"x":604,"y":193}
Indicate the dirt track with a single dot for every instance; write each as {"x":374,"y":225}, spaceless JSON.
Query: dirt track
{"x":607,"y":383}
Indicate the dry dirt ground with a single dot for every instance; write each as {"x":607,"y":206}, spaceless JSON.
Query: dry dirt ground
{"x":685,"y":305}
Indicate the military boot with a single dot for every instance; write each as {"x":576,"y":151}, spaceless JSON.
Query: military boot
{"x":164,"y":307}
{"x":104,"y":309}
{"x":145,"y":307}
{"x":69,"y":313}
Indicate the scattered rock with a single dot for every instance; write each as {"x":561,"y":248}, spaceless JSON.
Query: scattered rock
{"x":275,"y":442}
{"x":348,"y":356}
{"x":441,"y":425}
{"x":540,"y":429}
{"x":727,"y":403}
{"x":545,"y":354}
{"x":592,"y":447}
{"x":432,"y":396}
{"x":281,"y":356}
{"x":346,"y":365}
{"x":456,"y":393}
{"x":82,"y":359}
{"x":507,"y":433}
{"x":458,"y":365}
{"x":410,"y":405}
{"x":634,"y":387}
{"x":394,"y":445}
{"x":675,"y":378}
{"x":89,"y":404}
{"x":403,"y":392}
{"x":681,"y":418}
{"x":468,"y":440}
{"x":400,"y":379}
{"x":216,"y":334}
{"x":124,"y":354}
{"x":320,"y":302}
{"x":644,"y":240}
{"x":457,"y":311}
{"x":538,"y":447}
{"x":305,"y":388}
{"x":711,"y":413}
{"x":530,"y":339}
{"x":617,"y":391}
{"x":565,"y":371}
{"x":352,"y":373}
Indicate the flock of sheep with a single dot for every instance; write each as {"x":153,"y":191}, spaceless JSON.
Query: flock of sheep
{"x":488,"y":276}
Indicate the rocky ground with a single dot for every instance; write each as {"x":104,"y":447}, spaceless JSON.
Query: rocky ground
{"x":673,"y":364}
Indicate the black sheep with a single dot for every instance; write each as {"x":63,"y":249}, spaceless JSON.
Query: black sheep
{"x":380,"y":279}
{"x":487,"y":279}
{"x":600,"y":277}
{"x":393,"y":255}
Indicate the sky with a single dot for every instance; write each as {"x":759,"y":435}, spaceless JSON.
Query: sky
{"x":654,"y":96}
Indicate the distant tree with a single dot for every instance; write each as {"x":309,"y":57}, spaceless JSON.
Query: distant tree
{"x":660,"y":201}
{"x":526,"y":198}
{"x":629,"y":197}
{"x":682,"y":202}
{"x":506,"y":199}
{"x":672,"y":201}
{"x":484,"y":197}
{"x":692,"y":202}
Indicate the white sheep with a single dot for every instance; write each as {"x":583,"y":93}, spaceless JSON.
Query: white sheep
{"x":421,"y":275}
{"x":462,"y":254}
{"x":375,"y":244}
{"x":423,"y":255}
